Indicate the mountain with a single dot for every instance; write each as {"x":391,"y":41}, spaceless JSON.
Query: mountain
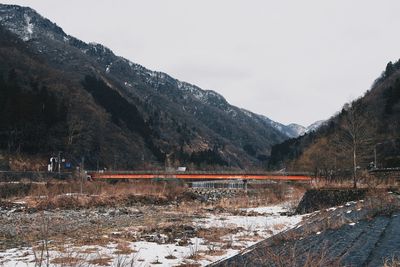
{"x":291,"y":131}
{"x":297,"y":129}
{"x":294,"y":130}
{"x":364,"y":134}
{"x":59,"y":93}
{"x":314,"y":126}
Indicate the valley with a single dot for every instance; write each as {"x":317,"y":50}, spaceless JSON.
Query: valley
{"x":104,"y":162}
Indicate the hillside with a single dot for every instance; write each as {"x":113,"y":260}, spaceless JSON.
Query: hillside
{"x":61,"y":94}
{"x":370,"y":126}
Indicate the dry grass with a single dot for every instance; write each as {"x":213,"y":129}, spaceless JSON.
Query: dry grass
{"x":324,"y":183}
{"x":66,"y":261}
{"x":189,"y":265}
{"x":292,"y":257}
{"x":87,"y":251}
{"x":101,"y":261}
{"x":365,"y":180}
{"x":379,"y":202}
{"x":269,"y":195}
{"x":214,"y":234}
{"x":92,"y":240}
{"x":65,"y":195}
{"x":393,"y":262}
{"x":156,"y":261}
{"x":278,"y":226}
{"x":148,"y":188}
{"x":170,"y":257}
{"x":124,"y":249}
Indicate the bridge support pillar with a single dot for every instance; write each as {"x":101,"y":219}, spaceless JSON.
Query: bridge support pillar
{"x":245,"y":185}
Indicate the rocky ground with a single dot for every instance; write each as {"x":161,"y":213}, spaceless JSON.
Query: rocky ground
{"x":204,"y":226}
{"x":198,"y":227}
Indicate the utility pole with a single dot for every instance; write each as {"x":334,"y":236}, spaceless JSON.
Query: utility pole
{"x":375,"y":155}
{"x":59,"y":164}
{"x":82,"y":172}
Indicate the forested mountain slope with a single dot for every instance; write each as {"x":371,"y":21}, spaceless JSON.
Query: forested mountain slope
{"x":367,"y":125}
{"x":58,"y":93}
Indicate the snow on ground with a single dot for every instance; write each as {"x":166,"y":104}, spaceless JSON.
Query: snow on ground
{"x":252,"y":228}
{"x":248,"y":231}
{"x":273,"y":210}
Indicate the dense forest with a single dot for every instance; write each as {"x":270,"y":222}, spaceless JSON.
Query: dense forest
{"x":33,"y":119}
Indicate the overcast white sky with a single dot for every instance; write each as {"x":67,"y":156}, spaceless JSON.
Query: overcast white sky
{"x":293,"y":61}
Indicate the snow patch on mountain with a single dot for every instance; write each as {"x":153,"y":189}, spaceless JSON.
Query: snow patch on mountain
{"x":314,"y":126}
{"x":205,"y":96}
{"x":292,"y":130}
{"x":297,"y":129}
{"x":28,"y":28}
{"x":108,"y":67}
{"x":286,"y":130}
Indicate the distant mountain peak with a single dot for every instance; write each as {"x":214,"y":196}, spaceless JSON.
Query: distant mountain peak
{"x":314,"y":126}
{"x":297,"y":129}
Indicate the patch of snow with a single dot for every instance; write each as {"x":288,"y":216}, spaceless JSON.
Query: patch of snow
{"x":315,"y":126}
{"x":284,"y":129}
{"x":275,"y":210}
{"x":232,"y":112}
{"x":297,"y":129}
{"x":21,"y":202}
{"x":348,"y":204}
{"x":108,"y":68}
{"x":128,"y":84}
{"x":247,"y":113}
{"x":28,"y":29}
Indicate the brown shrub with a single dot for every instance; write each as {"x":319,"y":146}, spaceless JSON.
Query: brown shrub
{"x":67,"y":195}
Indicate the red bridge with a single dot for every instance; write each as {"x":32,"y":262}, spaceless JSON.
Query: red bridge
{"x":201,"y":175}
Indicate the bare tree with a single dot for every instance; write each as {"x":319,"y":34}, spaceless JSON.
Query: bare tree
{"x":354,"y":134}
{"x":75,"y":128}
